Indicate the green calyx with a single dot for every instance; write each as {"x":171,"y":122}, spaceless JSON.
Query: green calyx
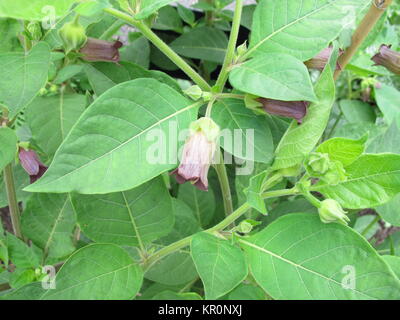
{"x":207,"y":126}
{"x":73,"y":35}
{"x":320,"y":166}
{"x":331,"y":211}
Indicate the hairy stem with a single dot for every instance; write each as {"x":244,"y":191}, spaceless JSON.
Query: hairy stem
{"x":230,"y":52}
{"x":175,"y":58}
{"x":12,"y":200}
{"x":364,"y":28}
{"x":218,"y":227}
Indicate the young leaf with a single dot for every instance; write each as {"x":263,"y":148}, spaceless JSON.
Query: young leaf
{"x":49,"y":220}
{"x":51,"y":118}
{"x":344,"y":150}
{"x":133,"y":218}
{"x":373,"y":179}
{"x":221,"y":265}
{"x":108,"y":149}
{"x":301,"y":29}
{"x":148,"y":7}
{"x":300,"y":140}
{"x":23,"y":75}
{"x":274,"y":76}
{"x":204,"y":43}
{"x":8,"y":143}
{"x":255,"y":190}
{"x":168,"y":19}
{"x":298,"y":257}
{"x":95,"y":272}
{"x":248,"y":136}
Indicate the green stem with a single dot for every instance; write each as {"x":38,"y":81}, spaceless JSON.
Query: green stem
{"x":112,"y":30}
{"x":12,"y":200}
{"x":224,"y":183}
{"x":218,"y":227}
{"x":230,"y":52}
{"x":369,"y":226}
{"x":164,"y":48}
{"x":230,"y":96}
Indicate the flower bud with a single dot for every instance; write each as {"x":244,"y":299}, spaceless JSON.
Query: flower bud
{"x":194,"y":92}
{"x":331,"y":211}
{"x":31,"y":163}
{"x":318,"y":164}
{"x":101,"y":50}
{"x":321,"y":59}
{"x":198,"y":153}
{"x":292,"y":109}
{"x":387,"y":58}
{"x":35,"y":31}
{"x":72,"y":35}
{"x":335,"y":174}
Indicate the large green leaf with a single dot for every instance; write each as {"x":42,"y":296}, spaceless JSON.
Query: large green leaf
{"x":300,"y":28}
{"x":22,"y":255}
{"x":23,"y":75}
{"x":373,"y":179}
{"x":300,"y":140}
{"x":221,"y":265}
{"x":244,"y":134}
{"x":48,"y":221}
{"x":95,"y":272}
{"x":8,"y":143}
{"x":34,"y":9}
{"x":204,"y":43}
{"x":357,"y":111}
{"x":51,"y":118}
{"x":298,"y":257}
{"x":103,"y":75}
{"x":134,"y":217}
{"x":117,"y":143}
{"x":274,"y":76}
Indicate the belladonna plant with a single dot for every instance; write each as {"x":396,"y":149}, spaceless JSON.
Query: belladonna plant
{"x":286,"y":187}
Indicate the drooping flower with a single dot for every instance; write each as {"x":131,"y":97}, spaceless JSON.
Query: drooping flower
{"x":321,"y":59}
{"x":198,"y":153}
{"x":331,"y":211}
{"x":101,"y":50}
{"x":31,"y":163}
{"x":292,"y":109}
{"x":387,"y":58}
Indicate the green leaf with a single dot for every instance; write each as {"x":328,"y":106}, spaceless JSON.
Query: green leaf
{"x":186,"y":14}
{"x":8,"y":143}
{"x":23,"y":76}
{"x":34,"y":10}
{"x":168,"y":19}
{"x":255,"y":190}
{"x":148,"y":7}
{"x":300,"y":140}
{"x":103,"y":75}
{"x":134,"y":217}
{"x":221,"y":265}
{"x":21,"y":277}
{"x":373,"y":179}
{"x":48,"y":220}
{"x":344,"y":150}
{"x":67,"y":73}
{"x":388,"y":141}
{"x":246,"y":292}
{"x":356,"y":111}
{"x":21,"y":255}
{"x":390,"y":211}
{"x":201,"y":202}
{"x":298,"y":257}
{"x":248,"y":136}
{"x":274,"y":76}
{"x":21,"y":180}
{"x":51,"y":118}
{"x":95,"y":272}
{"x":107,"y":150}
{"x":138,"y":52}
{"x":170,"y":295}
{"x":91,"y":7}
{"x":301,"y":29}
{"x":204,"y":43}
{"x":394,"y":264}
{"x":387,"y":100}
